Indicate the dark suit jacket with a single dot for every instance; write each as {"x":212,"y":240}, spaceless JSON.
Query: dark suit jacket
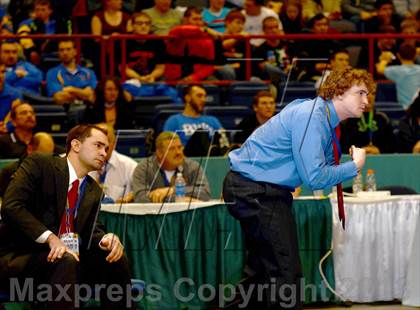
{"x":34,"y":202}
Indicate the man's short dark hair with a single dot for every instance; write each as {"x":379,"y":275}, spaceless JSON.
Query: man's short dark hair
{"x":67,"y":40}
{"x":267,"y":19}
{"x":260,"y":94}
{"x":187,"y":90}
{"x":81,"y":132}
{"x":190,"y":10}
{"x":14,"y":108}
{"x":379,"y":3}
{"x":43,"y":2}
{"x":317,"y":17}
{"x":8,"y":41}
{"x":235,"y":14}
{"x":407,"y":51}
{"x":139,"y":14}
{"x":338,"y":51}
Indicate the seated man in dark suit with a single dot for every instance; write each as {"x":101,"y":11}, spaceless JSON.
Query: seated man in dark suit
{"x":49,"y":235}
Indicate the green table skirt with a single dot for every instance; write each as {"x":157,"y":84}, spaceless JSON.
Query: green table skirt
{"x":185,"y":256}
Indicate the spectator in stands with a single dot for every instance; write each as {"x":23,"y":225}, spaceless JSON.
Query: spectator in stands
{"x":409,"y":129}
{"x":319,"y":25}
{"x":406,"y":76}
{"x":117,"y":172}
{"x":310,"y":8}
{"x":291,"y":16}
{"x":19,"y":10}
{"x":255,"y":12}
{"x":230,"y":49}
{"x":20,"y":74}
{"x":406,"y":8}
{"x":215,"y":15}
{"x":358,"y":11}
{"x":110,"y":105}
{"x":192,"y":49}
{"x":6,"y":26}
{"x":385,"y":16}
{"x":154,"y":177}
{"x":163,"y":17}
{"x":69,"y":82}
{"x":274,"y":5}
{"x":41,"y":23}
{"x":191,"y":119}
{"x":15,"y":144}
{"x":339,"y":59}
{"x":111,"y":19}
{"x":410,"y":26}
{"x":8,"y":97}
{"x":41,"y":142}
{"x":264,"y":107}
{"x":373,"y":131}
{"x":332,"y":9}
{"x":385,"y":48}
{"x":275,"y":54}
{"x":145,"y":58}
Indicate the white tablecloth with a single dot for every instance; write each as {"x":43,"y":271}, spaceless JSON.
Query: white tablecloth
{"x":412,"y":288}
{"x":372,"y":255}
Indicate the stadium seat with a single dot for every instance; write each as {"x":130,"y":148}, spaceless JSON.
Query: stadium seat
{"x":295,"y":91}
{"x":393,"y":110}
{"x":243,"y":93}
{"x":170,"y":106}
{"x":133,"y":142}
{"x":51,"y":118}
{"x":35,"y":99}
{"x":229,"y":116}
{"x":59,"y":138}
{"x":144,"y":108}
{"x":161,"y":116}
{"x":386,"y":92}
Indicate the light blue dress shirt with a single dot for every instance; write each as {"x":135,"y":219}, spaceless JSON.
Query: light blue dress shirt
{"x":294,"y":147}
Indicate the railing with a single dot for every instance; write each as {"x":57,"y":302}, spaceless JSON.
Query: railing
{"x":108,"y":68}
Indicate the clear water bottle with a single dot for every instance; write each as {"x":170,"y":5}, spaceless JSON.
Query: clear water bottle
{"x":370,"y":181}
{"x":179,"y":187}
{"x":357,"y":183}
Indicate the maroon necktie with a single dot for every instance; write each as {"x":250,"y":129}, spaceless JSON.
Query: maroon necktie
{"x":67,"y":219}
{"x":340,"y":201}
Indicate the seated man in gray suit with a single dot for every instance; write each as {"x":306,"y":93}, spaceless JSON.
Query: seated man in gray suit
{"x":154,"y":177}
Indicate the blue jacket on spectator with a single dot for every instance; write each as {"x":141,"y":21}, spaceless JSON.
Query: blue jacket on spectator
{"x":59,"y":77}
{"x":7,"y":96}
{"x":29,"y":83}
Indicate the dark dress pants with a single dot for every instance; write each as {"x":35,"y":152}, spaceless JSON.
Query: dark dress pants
{"x":264,"y":212}
{"x":72,"y":281}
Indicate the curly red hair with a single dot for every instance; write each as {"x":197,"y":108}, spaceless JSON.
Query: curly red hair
{"x":339,"y":81}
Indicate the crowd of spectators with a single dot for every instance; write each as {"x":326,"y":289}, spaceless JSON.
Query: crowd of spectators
{"x":200,"y":47}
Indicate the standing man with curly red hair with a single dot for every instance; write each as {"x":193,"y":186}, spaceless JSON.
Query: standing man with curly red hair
{"x":293,"y":147}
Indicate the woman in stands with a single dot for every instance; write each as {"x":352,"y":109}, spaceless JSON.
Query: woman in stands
{"x":111,"y":20}
{"x":291,"y":16}
{"x":110,"y":106}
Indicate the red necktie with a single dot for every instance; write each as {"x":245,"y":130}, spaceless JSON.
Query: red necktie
{"x":340,"y":201}
{"x":67,"y":219}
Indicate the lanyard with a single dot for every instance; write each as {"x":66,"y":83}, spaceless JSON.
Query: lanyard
{"x":102,"y":176}
{"x":76,"y":207}
{"x":370,"y":127}
{"x":333,"y":134}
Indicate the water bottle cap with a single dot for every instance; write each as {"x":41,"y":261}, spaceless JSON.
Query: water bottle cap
{"x":370,"y":171}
